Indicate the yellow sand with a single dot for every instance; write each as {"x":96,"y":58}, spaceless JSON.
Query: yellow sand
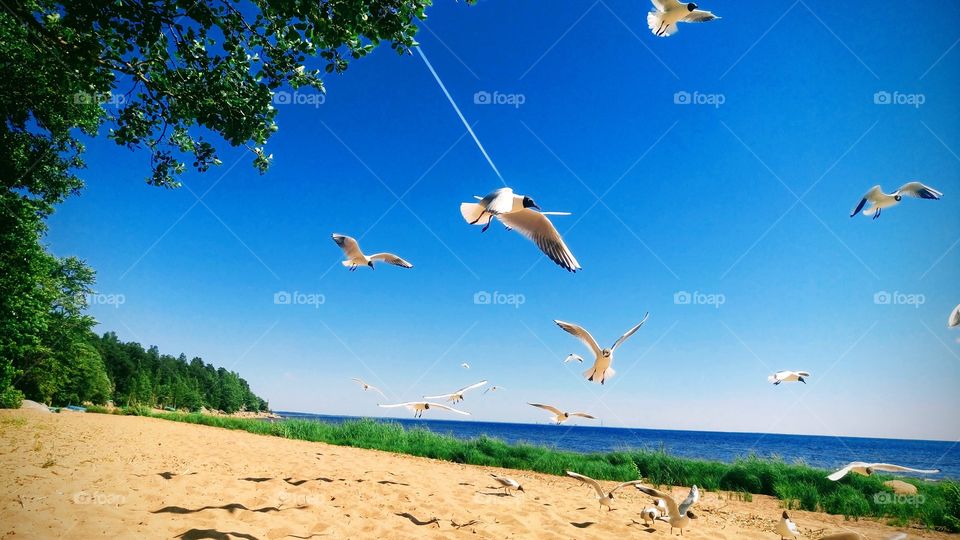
{"x":75,"y":475}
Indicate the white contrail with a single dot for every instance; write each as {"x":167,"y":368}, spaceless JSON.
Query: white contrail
{"x":460,"y":114}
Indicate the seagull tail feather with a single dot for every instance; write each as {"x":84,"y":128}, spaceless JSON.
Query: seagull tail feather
{"x":473,"y":212}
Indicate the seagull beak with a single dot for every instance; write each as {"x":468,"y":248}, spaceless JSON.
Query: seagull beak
{"x":534,"y":206}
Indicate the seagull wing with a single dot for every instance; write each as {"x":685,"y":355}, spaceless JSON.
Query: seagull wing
{"x":471,"y":387}
{"x":359,"y":381}
{"x":583,"y":414}
{"x":550,"y":408}
{"x":954,"y":320}
{"x":498,"y":201}
{"x":397,"y":405}
{"x":451,"y":409}
{"x":843,"y":472}
{"x":699,"y":15}
{"x":537,"y":228}
{"x":671,"y":504}
{"x":589,"y":481}
{"x":582,"y":335}
{"x":664,"y":5}
{"x":625,"y":484}
{"x":918,"y":190}
{"x":441,"y":396}
{"x":887,"y":467}
{"x":691,"y":500}
{"x":803,"y":373}
{"x":390,"y":258}
{"x":630,"y":332}
{"x":349,"y":246}
{"x":871,"y":196}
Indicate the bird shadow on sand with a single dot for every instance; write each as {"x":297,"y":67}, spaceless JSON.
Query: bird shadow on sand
{"x":232,"y":507}
{"x":290,"y":480}
{"x":168,"y":475}
{"x":416,"y":521}
{"x":391,"y":483}
{"x":213,"y":534}
{"x":494,"y":493}
{"x":583,"y":525}
{"x":643,"y":526}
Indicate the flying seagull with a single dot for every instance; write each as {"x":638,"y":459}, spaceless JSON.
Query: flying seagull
{"x":507,"y":483}
{"x":677,"y":516}
{"x":788,"y":376}
{"x":867,"y":469}
{"x":667,"y":13}
{"x":954,"y":320}
{"x":879,"y":200}
{"x":600,"y":371}
{"x":603,"y":496}
{"x":493,"y":389}
{"x":573,"y":358}
{"x":456,"y":397}
{"x":517,"y":212}
{"x":369,"y":387}
{"x":356,"y":258}
{"x":786,"y":528}
{"x":465,"y":365}
{"x":419,"y":406}
{"x":559,"y":416}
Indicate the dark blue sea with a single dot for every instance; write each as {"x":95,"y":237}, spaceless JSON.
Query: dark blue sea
{"x":824,"y":452}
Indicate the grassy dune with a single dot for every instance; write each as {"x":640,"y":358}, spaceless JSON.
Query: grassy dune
{"x":937,"y":505}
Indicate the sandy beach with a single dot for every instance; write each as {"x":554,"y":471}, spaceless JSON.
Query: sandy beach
{"x":76,"y":475}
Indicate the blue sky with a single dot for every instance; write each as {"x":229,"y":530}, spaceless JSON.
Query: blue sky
{"x":747,"y":201}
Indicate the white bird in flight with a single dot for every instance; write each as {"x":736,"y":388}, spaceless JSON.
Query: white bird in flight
{"x":954,"y":320}
{"x":507,"y":483}
{"x":465,"y":365}
{"x":600,"y":371}
{"x":419,"y":406}
{"x":366,"y":387}
{"x":677,"y":516}
{"x":879,"y":200}
{"x":493,"y":389}
{"x":517,"y":212}
{"x":867,"y":469}
{"x":559,"y":416}
{"x":573,"y":358}
{"x":603,"y":496}
{"x":667,"y":13}
{"x":786,"y":528}
{"x":788,"y":376}
{"x":356,"y":258}
{"x":456,"y":397}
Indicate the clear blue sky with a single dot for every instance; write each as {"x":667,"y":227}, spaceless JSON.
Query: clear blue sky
{"x":697,"y":198}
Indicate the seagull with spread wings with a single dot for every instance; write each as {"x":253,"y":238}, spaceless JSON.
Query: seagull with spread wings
{"x":367,"y":387}
{"x":521,"y":213}
{"x":560,"y":416}
{"x":603,"y":496}
{"x":356,"y":258}
{"x":678,"y":516}
{"x":788,"y":376}
{"x":867,"y":469}
{"x":600,"y":371}
{"x":667,"y":13}
{"x":419,"y":406}
{"x":879,"y":200}
{"x":456,"y":397}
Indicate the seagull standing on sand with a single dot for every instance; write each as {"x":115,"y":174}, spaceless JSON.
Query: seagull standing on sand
{"x":507,"y":483}
{"x":677,"y":516}
{"x":517,"y":212}
{"x":879,"y":200}
{"x":788,"y":376}
{"x":559,"y":416}
{"x":667,"y":13}
{"x":419,"y":406}
{"x":867,"y":469}
{"x":954,"y":320}
{"x":603,"y":496}
{"x":366,"y":387}
{"x":650,"y":515}
{"x":356,"y":258}
{"x":786,"y":528}
{"x":573,"y":358}
{"x":600,"y":371}
{"x":457,"y":397}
